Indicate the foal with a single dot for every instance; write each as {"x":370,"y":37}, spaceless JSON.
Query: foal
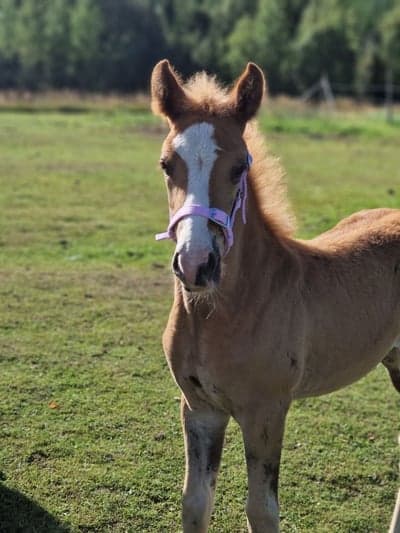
{"x":259,"y":318}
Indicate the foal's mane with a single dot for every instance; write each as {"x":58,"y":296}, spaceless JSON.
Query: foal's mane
{"x":266,"y":176}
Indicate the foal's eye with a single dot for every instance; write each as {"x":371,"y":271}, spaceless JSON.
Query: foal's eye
{"x":166,"y":166}
{"x":237,"y":172}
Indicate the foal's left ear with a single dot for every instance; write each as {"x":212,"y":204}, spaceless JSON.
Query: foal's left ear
{"x":248,"y":93}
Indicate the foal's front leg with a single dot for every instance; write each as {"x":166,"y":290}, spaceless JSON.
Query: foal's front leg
{"x":262,"y":430}
{"x":204,"y":431}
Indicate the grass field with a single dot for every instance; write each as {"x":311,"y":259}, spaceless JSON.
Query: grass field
{"x":89,"y":415}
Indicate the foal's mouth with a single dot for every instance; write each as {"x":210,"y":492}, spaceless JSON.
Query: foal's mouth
{"x":204,"y":286}
{"x":198,"y":290}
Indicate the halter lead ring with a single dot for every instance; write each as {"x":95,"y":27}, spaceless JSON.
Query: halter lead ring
{"x":214,"y":214}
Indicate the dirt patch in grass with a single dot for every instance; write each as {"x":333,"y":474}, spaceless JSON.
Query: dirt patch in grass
{"x":111,"y":283}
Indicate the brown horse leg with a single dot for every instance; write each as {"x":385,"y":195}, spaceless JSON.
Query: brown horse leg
{"x":262,"y":431}
{"x":204,"y":431}
{"x":392,"y":363}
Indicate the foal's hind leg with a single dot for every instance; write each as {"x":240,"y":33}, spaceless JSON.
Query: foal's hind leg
{"x":204,"y":431}
{"x":392,"y":363}
{"x":262,"y":429}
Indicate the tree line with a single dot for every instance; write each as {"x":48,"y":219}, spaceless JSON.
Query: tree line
{"x":106,"y":45}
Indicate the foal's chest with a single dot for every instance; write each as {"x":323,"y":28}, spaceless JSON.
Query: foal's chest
{"x":201,"y":365}
{"x":229,"y":361}
{"x":201,"y":378}
{"x":210,"y":368}
{"x":199,"y":386}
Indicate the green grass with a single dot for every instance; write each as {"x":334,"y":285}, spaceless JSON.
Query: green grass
{"x":89,"y":415}
{"x":320,"y":124}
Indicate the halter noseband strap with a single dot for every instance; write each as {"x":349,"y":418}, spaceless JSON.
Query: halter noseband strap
{"x":214,"y":214}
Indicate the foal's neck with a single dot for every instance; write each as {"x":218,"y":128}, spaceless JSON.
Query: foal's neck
{"x":249,"y":269}
{"x":253,"y":258}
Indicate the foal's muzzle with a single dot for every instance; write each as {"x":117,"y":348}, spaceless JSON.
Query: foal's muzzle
{"x":201,"y":276}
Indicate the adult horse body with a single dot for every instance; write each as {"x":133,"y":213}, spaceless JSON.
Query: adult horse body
{"x":267,"y":318}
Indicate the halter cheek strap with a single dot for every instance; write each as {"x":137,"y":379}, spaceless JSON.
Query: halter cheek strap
{"x":214,"y":214}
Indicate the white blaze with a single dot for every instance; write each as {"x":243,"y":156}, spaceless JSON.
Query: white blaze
{"x":196,"y":146}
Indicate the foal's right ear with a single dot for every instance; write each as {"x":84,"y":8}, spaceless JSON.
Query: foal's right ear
{"x":168,"y":98}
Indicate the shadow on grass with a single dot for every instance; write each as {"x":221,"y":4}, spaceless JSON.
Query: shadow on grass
{"x":19,"y":514}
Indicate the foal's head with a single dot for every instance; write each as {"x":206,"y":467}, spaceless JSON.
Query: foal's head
{"x":205,"y":162}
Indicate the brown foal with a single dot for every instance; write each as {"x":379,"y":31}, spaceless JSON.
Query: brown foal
{"x":270,"y":318}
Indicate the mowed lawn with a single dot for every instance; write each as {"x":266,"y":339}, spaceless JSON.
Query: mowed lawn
{"x":90,"y":437}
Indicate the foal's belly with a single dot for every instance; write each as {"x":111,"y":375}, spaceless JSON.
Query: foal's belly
{"x":328,"y":372}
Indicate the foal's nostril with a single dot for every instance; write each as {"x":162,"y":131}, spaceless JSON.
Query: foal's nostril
{"x":201,"y":277}
{"x":209,"y":271}
{"x":176,"y":267}
{"x":191,"y":275}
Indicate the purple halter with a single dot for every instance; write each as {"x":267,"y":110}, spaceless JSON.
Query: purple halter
{"x":214,"y":214}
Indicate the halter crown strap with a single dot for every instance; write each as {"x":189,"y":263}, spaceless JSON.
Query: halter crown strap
{"x":214,"y":214}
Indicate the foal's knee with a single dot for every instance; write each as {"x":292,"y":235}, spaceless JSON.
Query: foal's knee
{"x":196,"y":511}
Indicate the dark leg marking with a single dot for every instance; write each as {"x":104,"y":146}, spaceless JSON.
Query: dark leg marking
{"x":271,"y":471}
{"x":214,"y":457}
{"x":195,"y":381}
{"x":265,"y":435}
{"x":250,"y":457}
{"x":194,"y":443}
{"x":214,"y":453}
{"x":292,"y":359}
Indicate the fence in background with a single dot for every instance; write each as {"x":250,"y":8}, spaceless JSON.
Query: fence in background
{"x":324,"y":89}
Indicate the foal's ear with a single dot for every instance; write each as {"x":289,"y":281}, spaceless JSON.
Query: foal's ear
{"x":248,"y":93}
{"x":168,"y":98}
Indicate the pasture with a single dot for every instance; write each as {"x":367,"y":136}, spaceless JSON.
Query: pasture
{"x":89,"y":415}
